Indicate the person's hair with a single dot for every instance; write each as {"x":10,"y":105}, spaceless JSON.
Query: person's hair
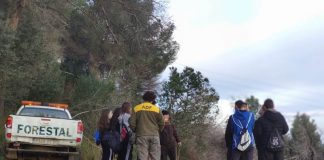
{"x":149,"y":96}
{"x":126,"y":107}
{"x":165,"y":112}
{"x":268,"y":104}
{"x":104,"y":121}
{"x":239,"y":104}
{"x":114,"y":119}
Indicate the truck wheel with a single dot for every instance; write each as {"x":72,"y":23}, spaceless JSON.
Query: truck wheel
{"x":11,"y":155}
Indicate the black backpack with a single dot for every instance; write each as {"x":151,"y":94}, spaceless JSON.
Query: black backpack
{"x":275,"y":142}
{"x":113,"y":139}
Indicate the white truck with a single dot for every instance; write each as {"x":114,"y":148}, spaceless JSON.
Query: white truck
{"x":43,"y":131}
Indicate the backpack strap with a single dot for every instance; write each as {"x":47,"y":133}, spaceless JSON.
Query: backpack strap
{"x":247,"y":124}
{"x":239,"y":125}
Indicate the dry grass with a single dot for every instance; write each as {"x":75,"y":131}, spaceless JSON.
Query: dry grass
{"x":89,"y":150}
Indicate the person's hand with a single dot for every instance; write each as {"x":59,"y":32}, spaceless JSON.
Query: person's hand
{"x":179,"y":144}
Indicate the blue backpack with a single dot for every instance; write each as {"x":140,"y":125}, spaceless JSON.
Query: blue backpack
{"x":245,"y":139}
{"x":96,"y":137}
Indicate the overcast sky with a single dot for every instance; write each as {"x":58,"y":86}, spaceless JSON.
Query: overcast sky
{"x":266,"y":48}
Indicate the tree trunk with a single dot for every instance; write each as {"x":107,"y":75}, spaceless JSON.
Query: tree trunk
{"x":15,"y":14}
{"x":2,"y":107}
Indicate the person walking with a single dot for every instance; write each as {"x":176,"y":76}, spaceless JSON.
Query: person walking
{"x":266,"y":127}
{"x":127,"y":144}
{"x":169,"y":139}
{"x":147,"y":122}
{"x":239,"y":133}
{"x":103,"y":128}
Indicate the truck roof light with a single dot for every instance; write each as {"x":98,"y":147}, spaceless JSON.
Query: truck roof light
{"x":58,"y":105}
{"x":34,"y":103}
{"x":29,"y":103}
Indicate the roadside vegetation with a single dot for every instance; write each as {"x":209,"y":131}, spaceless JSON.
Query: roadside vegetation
{"x":95,"y":54}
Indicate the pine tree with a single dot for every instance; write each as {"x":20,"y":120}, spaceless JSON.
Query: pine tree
{"x":306,"y":141}
{"x":29,"y":69}
{"x":193,"y":103}
{"x":253,"y":103}
{"x":7,"y":59}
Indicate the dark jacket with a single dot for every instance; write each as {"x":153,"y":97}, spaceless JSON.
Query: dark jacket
{"x":234,"y":127}
{"x":229,"y":133}
{"x":264,"y":125}
{"x":103,"y":134}
{"x":169,"y":136}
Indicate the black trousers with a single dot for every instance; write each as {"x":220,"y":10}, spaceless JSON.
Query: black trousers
{"x":168,"y":151}
{"x":126,"y":151}
{"x":242,"y":155}
{"x":266,"y":155}
{"x":107,"y":153}
{"x":229,"y":153}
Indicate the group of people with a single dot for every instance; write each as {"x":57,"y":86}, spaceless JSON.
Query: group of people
{"x":156,"y":138}
{"x":244,"y":133}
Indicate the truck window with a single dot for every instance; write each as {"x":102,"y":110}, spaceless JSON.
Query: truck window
{"x":43,"y":112}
